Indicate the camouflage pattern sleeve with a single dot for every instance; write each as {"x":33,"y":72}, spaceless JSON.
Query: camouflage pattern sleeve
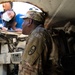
{"x":32,"y":51}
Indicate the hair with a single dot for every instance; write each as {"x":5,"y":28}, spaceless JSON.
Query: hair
{"x":11,"y":3}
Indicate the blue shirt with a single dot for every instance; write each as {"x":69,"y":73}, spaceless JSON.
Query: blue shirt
{"x":19,"y":21}
{"x":1,"y":21}
{"x":1,"y":18}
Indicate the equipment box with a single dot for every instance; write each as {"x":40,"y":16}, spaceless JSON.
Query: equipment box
{"x":16,"y":57}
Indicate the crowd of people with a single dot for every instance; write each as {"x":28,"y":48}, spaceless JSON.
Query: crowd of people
{"x":9,"y":18}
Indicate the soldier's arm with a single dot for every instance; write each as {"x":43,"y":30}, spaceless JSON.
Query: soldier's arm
{"x":32,"y":51}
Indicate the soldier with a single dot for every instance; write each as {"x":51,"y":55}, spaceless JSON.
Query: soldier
{"x":35,"y":53}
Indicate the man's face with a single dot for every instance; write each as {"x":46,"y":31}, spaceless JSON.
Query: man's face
{"x":8,"y":15}
{"x":25,"y":27}
{"x":6,"y":6}
{"x":11,"y":14}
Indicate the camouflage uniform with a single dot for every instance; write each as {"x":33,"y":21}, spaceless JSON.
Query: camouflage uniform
{"x":38,"y":57}
{"x":33,"y":53}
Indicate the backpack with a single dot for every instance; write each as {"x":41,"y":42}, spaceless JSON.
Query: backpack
{"x":52,"y":66}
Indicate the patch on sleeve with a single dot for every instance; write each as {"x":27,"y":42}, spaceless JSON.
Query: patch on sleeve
{"x":32,"y":50}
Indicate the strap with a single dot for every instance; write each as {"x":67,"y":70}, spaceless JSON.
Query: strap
{"x":54,"y":52}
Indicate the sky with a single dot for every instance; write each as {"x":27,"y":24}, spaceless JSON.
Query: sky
{"x":22,"y":8}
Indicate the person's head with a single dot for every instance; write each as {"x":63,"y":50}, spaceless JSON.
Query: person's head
{"x":8,"y":15}
{"x":31,"y":20}
{"x":7,"y":5}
